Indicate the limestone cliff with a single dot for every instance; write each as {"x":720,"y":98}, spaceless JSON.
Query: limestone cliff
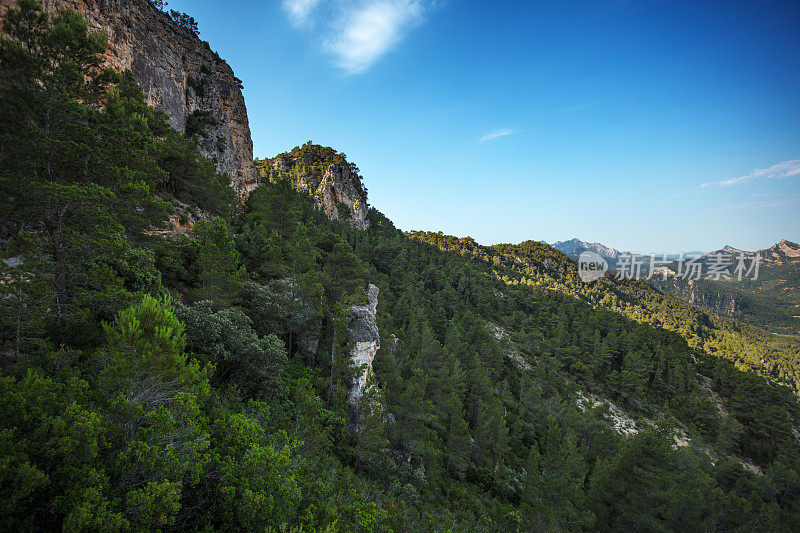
{"x":326,"y":175}
{"x":364,"y":332}
{"x":782,"y":252}
{"x":338,"y":192}
{"x":179,"y":74}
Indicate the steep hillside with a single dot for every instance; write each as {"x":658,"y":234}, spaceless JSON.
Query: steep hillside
{"x":179,"y":75}
{"x":771,"y":302}
{"x":768,"y":298}
{"x":537,"y":264}
{"x":281,"y":367}
{"x":324,"y":174}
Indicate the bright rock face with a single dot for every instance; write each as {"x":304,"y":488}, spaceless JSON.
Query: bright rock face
{"x":179,"y":74}
{"x":326,"y":176}
{"x":364,"y":332}
{"x":338,"y":187}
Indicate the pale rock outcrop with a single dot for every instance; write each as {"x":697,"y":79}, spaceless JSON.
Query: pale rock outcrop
{"x":326,"y":176}
{"x":364,"y":332}
{"x":511,"y":349}
{"x":179,"y":74}
{"x":338,"y":186}
{"x":181,"y":220}
{"x":620,"y":421}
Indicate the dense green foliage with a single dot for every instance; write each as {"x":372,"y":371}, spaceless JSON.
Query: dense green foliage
{"x":200,"y":381}
{"x":770,"y":302}
{"x":536,"y":264}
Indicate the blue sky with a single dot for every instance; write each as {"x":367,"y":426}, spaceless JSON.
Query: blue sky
{"x":648,"y":126}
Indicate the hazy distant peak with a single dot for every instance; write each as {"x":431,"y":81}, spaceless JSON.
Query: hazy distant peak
{"x":782,"y":252}
{"x":574,"y":247}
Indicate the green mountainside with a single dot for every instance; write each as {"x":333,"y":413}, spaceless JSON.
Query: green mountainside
{"x":771,"y":302}
{"x":158,"y":375}
{"x":536,"y":264}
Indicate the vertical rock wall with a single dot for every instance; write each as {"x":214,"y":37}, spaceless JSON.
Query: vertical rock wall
{"x":364,"y":332}
{"x":179,"y":74}
{"x":325,"y":175}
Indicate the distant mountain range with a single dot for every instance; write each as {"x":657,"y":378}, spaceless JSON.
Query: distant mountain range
{"x":575,"y":247}
{"x":771,"y":302}
{"x":780,"y":253}
{"x":777,"y":254}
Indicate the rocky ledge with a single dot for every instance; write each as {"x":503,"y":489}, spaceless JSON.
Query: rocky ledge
{"x":364,"y":332}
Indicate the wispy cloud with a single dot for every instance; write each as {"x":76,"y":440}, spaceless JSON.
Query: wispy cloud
{"x":762,"y":195}
{"x":496,"y":134}
{"x":673,"y":196}
{"x":787,"y":169}
{"x":356,"y":33}
{"x":789,"y":200}
{"x":299,"y":11}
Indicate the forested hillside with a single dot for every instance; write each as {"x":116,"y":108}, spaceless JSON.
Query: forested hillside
{"x":158,"y":378}
{"x":771,"y":302}
{"x":536,"y":264}
{"x":768,"y":298}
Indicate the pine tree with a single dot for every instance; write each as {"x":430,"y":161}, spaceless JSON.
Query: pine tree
{"x":491,"y":439}
{"x":220,"y":274}
{"x":456,"y":439}
{"x":554,"y":482}
{"x":372,"y":446}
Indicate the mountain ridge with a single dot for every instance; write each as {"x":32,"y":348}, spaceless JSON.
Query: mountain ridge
{"x":574,"y":247}
{"x":783,"y":251}
{"x":155,"y":382}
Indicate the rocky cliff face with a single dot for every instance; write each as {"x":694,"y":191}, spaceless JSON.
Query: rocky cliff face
{"x":179,"y":74}
{"x":326,"y":175}
{"x":364,"y":332}
{"x":338,"y":192}
{"x":782,"y":252}
{"x":707,"y":294}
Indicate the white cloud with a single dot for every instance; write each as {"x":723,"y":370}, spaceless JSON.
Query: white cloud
{"x":356,"y":33}
{"x":299,"y":11}
{"x":787,"y":169}
{"x":496,"y":134}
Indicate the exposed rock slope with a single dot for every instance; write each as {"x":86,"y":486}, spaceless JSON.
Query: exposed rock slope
{"x":179,"y":74}
{"x":326,"y":175}
{"x":574,"y":247}
{"x":779,"y":253}
{"x":782,"y":252}
{"x":364,"y":332}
